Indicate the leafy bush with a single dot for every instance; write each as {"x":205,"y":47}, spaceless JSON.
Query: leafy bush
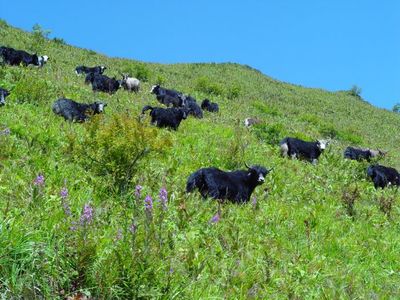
{"x":271,"y":134}
{"x":142,"y":72}
{"x":160,"y":80}
{"x":233,"y":91}
{"x":31,"y":89}
{"x":205,"y":85}
{"x":114,"y":147}
{"x":355,"y":91}
{"x":39,"y":36}
{"x":59,"y":41}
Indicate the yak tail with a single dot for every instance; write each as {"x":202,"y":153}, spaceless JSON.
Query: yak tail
{"x":147,"y":107}
{"x":195,"y":180}
{"x":284,"y":147}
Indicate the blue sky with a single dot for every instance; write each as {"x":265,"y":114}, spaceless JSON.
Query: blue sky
{"x":323,"y":44}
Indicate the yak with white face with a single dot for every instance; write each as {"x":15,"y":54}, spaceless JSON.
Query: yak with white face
{"x":296,"y":148}
{"x":236,"y":186}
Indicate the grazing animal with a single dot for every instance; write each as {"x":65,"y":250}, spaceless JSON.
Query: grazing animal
{"x":86,"y":70}
{"x":166,"y":117}
{"x":248,"y":122}
{"x":236,"y":186}
{"x":361,"y":154}
{"x":14,"y":57}
{"x":193,"y":108}
{"x":302,"y":149}
{"x":131,"y":84}
{"x":209,"y":106}
{"x":103,"y":83}
{"x":74,"y":111}
{"x":160,"y":91}
{"x":168,"y":100}
{"x":168,"y":96}
{"x":3,"y":94}
{"x":383,"y":176}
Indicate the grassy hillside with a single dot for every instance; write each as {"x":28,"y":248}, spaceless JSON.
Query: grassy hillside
{"x":309,"y":232}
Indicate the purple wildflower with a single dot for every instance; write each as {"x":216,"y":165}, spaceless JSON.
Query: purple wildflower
{"x":148,"y":203}
{"x":119,"y":235}
{"x":6,"y":131}
{"x":133,"y":228}
{"x":64,"y":193}
{"x":67,"y":209}
{"x":87,"y":215}
{"x":164,"y":198}
{"x":73,"y":226}
{"x":39,"y":181}
{"x":215,"y":218}
{"x":138,"y":191}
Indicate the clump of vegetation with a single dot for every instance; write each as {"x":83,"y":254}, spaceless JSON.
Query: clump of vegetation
{"x":270,"y":134}
{"x":205,"y":85}
{"x":386,"y":204}
{"x":35,"y":90}
{"x":355,"y":91}
{"x":233,"y":91}
{"x":349,"y":198}
{"x":115,"y":147}
{"x":396,"y":108}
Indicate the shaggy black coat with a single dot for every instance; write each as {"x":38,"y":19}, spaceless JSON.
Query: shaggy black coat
{"x":166,"y":117}
{"x":361,"y":154}
{"x":168,"y":100}
{"x":3,"y":94}
{"x":160,"y":91}
{"x":15,"y":57}
{"x":87,"y":70}
{"x":383,"y":176}
{"x":74,"y":111}
{"x":298,"y":148}
{"x":193,"y":108}
{"x":209,"y":106}
{"x":236,"y":186}
{"x":103,"y":83}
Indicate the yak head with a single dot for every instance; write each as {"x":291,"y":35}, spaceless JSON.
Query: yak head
{"x":258,"y":173}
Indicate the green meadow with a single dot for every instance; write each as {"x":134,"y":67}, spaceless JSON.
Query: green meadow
{"x":73,"y":220}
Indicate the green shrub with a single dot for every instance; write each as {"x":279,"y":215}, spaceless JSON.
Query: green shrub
{"x":142,"y":72}
{"x":160,"y":80}
{"x":205,"y":85}
{"x":355,"y":91}
{"x":233,"y":91}
{"x":39,"y":36}
{"x":114,"y":148}
{"x":271,"y":134}
{"x":31,"y":89}
{"x":59,"y":41}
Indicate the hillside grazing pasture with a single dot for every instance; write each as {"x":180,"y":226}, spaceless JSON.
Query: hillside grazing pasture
{"x":100,"y":209}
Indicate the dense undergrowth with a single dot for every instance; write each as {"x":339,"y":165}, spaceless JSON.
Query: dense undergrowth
{"x":100,"y":209}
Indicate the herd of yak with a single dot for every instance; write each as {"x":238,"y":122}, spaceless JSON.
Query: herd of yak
{"x":236,"y":186}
